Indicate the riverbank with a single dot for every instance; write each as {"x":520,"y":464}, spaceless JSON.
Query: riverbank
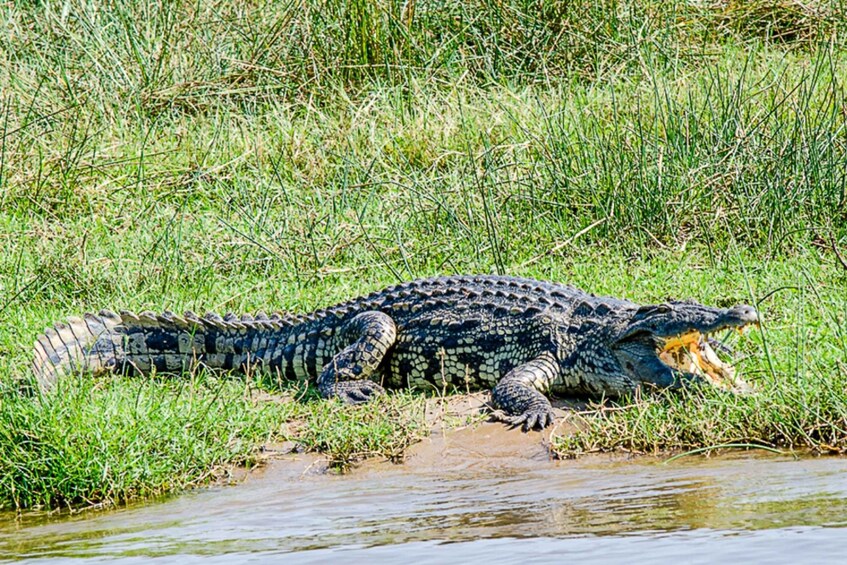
{"x":109,"y":441}
{"x":287,"y":156}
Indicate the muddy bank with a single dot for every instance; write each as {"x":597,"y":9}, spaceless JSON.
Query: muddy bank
{"x":485,"y":490}
{"x":462,"y":430}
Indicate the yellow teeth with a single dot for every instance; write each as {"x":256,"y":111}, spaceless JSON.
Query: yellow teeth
{"x":746,"y":328}
{"x":691,"y":353}
{"x":682,"y":341}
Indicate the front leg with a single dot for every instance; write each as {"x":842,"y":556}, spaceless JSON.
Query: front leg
{"x":519,"y":393}
{"x":348,"y":374}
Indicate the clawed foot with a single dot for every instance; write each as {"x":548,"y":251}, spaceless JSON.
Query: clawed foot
{"x":353,"y":392}
{"x":535,"y":417}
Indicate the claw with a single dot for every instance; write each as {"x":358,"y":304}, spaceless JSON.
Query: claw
{"x":516,"y":421}
{"x":354,"y":397}
{"x":537,"y":418}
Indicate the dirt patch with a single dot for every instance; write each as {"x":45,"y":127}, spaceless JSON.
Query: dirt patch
{"x":463,"y":433}
{"x":455,"y":411}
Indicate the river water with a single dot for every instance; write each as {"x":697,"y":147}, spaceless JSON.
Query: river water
{"x":481,"y":495}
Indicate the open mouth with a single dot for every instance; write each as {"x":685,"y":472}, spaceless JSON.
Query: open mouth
{"x":692,"y":353}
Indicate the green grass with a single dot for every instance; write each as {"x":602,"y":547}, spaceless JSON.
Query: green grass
{"x":123,"y":439}
{"x":287,"y":155}
{"x":384,"y":428}
{"x":110,"y":441}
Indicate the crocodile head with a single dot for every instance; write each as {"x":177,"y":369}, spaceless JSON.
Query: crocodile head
{"x":666,"y":344}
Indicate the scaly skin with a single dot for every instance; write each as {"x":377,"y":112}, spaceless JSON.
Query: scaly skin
{"x":521,"y":337}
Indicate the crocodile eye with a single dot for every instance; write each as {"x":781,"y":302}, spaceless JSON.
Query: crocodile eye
{"x":653,"y":309}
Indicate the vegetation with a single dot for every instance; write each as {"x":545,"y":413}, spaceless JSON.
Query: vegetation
{"x":121,"y":439}
{"x":288,"y":154}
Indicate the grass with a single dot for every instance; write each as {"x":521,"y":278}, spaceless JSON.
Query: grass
{"x":287,"y":154}
{"x":348,"y":434}
{"x":122,"y":439}
{"x":107,"y":442}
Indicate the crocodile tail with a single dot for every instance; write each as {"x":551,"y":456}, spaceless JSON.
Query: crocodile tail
{"x":144,"y":342}
{"x":75,"y":345}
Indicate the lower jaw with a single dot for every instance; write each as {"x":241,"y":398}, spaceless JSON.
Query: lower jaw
{"x":691,"y":353}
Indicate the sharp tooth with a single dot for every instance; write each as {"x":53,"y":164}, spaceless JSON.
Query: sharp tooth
{"x":713,"y":359}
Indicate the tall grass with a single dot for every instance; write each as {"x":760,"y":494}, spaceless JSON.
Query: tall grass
{"x":184,"y":55}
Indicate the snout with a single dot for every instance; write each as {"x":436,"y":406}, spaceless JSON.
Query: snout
{"x":742,"y":315}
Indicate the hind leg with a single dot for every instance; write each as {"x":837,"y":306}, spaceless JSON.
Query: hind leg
{"x":348,"y":375}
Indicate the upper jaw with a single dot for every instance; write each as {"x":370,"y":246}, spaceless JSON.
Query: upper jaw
{"x":692,"y":318}
{"x":737,"y":317}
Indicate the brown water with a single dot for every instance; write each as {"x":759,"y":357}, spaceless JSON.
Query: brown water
{"x":475,"y":496}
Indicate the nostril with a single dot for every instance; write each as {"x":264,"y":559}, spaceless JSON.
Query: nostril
{"x":746,"y":313}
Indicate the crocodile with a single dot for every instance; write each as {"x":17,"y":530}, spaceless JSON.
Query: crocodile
{"x":520,"y":337}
